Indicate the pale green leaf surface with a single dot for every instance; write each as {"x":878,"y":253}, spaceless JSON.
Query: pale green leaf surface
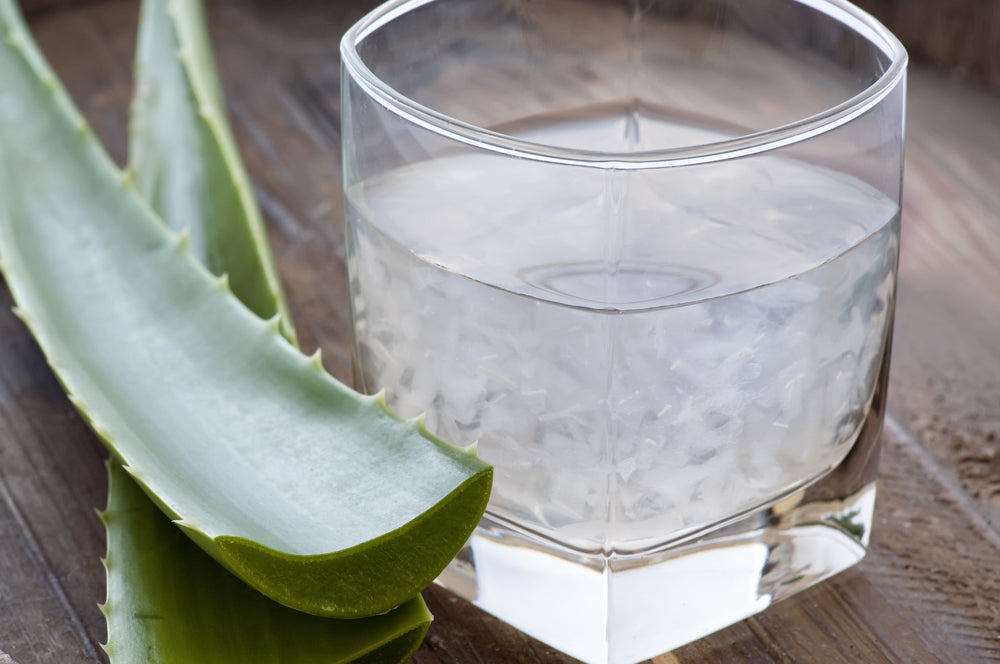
{"x":313,"y":494}
{"x":170,"y":603}
{"x":184,"y":158}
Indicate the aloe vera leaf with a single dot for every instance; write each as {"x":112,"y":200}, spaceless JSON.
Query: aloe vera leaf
{"x":185,"y":160}
{"x":311,"y":493}
{"x":168,"y":602}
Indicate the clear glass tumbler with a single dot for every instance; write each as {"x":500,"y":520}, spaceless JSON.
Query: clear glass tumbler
{"x":644,"y":252}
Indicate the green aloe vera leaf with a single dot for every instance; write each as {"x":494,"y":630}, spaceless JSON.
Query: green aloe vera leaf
{"x":185,"y":161}
{"x":168,"y":602}
{"x":311,"y":493}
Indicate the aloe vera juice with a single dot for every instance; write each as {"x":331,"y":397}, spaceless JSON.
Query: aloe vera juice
{"x":640,"y":355}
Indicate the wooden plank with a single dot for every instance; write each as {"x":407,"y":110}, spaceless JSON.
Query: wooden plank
{"x":50,"y":479}
{"x":945,"y":384}
{"x":937,"y":559}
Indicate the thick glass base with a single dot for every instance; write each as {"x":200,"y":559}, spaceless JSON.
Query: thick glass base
{"x":625,"y":609}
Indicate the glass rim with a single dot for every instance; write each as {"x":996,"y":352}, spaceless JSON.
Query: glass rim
{"x":766,"y":140}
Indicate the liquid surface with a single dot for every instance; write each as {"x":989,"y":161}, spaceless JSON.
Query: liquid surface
{"x":639,"y":354}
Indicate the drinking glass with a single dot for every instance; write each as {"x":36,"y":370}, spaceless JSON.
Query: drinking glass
{"x":644,"y":253}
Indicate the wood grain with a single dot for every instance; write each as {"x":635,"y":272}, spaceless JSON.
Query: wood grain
{"x":51,"y":476}
{"x":960,"y":37}
{"x":929,"y":590}
{"x":945,"y":374}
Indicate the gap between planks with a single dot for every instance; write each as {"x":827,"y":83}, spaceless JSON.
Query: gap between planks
{"x":35,"y":552}
{"x":946,"y":479}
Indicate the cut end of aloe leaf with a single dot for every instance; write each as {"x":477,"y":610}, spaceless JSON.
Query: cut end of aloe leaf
{"x":365,"y":579}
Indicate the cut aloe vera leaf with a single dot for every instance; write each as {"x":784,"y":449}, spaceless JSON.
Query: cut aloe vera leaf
{"x":311,"y":493}
{"x":185,"y":160}
{"x":169,"y":602}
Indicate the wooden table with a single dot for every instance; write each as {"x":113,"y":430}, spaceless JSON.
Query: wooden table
{"x":929,"y":589}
